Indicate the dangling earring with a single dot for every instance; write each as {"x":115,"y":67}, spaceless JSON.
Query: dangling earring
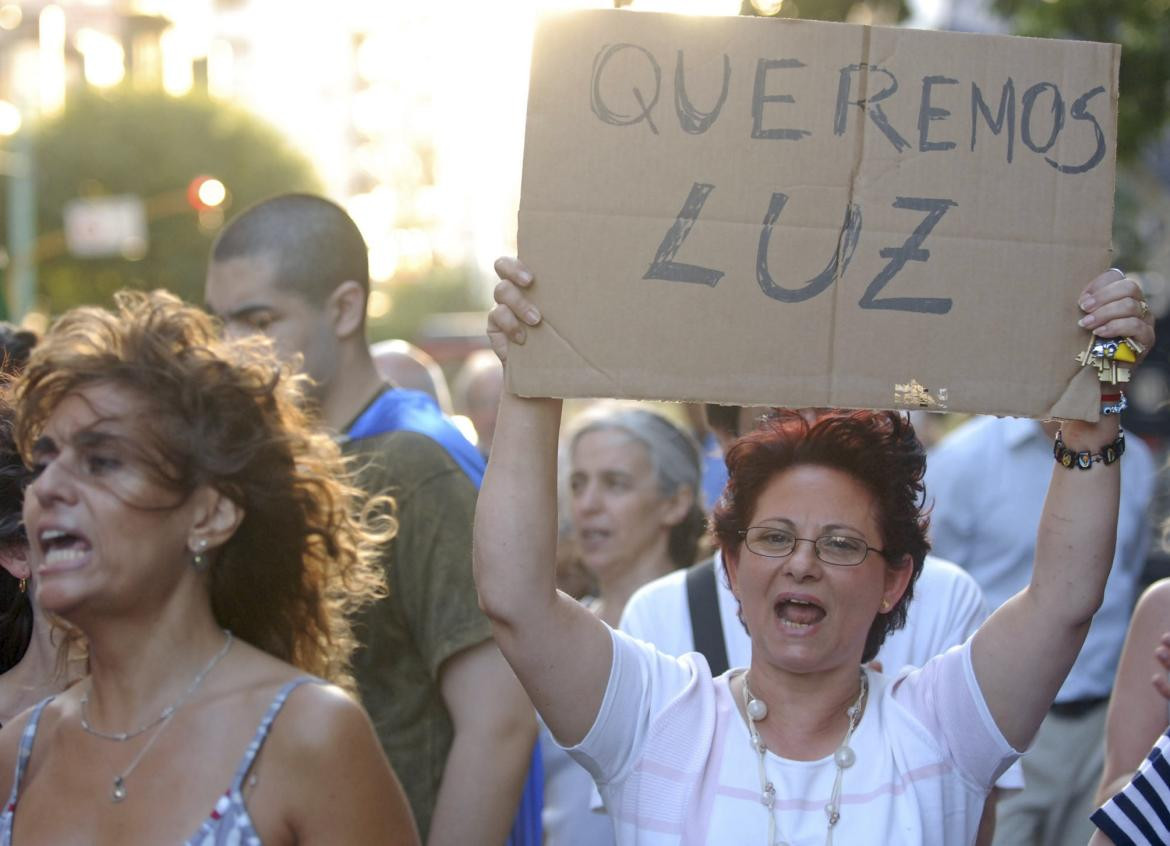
{"x":198,"y":558}
{"x":23,"y":586}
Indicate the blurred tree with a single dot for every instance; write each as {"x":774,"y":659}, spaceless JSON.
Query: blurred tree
{"x":1141,"y":27}
{"x":413,"y":299}
{"x":154,"y":146}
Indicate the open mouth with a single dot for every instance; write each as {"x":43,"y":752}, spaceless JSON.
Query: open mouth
{"x":592,"y":537}
{"x":798,"y":613}
{"x":62,"y":548}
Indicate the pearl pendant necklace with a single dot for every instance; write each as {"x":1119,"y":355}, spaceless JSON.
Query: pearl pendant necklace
{"x":843,"y":758}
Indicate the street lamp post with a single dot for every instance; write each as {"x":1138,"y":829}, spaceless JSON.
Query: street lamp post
{"x":21,"y":281}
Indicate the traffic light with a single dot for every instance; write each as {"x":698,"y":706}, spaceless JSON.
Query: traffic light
{"x":206,"y":193}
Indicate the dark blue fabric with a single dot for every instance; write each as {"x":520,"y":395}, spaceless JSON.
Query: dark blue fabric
{"x":1123,"y":808}
{"x":527,"y":829}
{"x":398,"y":409}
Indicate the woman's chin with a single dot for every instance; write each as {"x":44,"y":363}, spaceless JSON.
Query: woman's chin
{"x":801,"y":654}
{"x":58,"y":599}
{"x":602,"y":568}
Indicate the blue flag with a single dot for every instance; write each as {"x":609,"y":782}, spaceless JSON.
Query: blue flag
{"x":414,"y":411}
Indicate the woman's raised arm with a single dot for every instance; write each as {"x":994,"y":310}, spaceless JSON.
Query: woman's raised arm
{"x":1024,"y":651}
{"x":560,"y":652}
{"x":1137,"y":709}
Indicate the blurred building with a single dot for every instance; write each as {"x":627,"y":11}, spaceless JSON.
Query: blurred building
{"x":48,"y":48}
{"x":413,"y":113}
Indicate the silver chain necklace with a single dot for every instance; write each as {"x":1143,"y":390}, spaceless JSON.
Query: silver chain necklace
{"x":123,"y":736}
{"x":118,"y":792}
{"x":844,"y":758}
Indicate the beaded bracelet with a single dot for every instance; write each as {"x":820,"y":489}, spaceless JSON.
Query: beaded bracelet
{"x":1084,"y":459}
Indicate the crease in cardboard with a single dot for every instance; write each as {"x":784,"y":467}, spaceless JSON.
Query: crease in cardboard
{"x":1081,"y":399}
{"x":871,"y":229}
{"x":615,"y":383}
{"x":842,"y":240}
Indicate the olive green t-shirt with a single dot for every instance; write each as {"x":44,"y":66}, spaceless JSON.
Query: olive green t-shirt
{"x":431,"y":613}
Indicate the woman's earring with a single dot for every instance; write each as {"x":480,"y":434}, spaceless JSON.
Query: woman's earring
{"x":23,"y":586}
{"x":885,"y":605}
{"x":199,"y":557}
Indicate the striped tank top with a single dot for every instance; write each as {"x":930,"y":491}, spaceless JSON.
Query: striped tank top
{"x":228,"y":824}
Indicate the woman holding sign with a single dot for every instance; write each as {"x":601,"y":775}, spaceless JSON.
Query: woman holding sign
{"x":823,"y":533}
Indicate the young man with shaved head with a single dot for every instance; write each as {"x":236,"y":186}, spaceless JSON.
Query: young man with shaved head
{"x":455,"y":723}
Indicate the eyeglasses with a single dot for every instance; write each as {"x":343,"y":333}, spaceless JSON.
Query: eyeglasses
{"x":839,"y":550}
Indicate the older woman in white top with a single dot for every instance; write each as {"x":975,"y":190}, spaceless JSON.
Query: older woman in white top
{"x":804,"y":746}
{"x":633,"y":495}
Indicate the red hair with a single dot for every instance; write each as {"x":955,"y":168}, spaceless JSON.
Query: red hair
{"x":877,"y":448}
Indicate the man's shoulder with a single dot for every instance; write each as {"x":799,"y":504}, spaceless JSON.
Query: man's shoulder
{"x":974,"y":435}
{"x":944,"y":588}
{"x":657,"y":613}
{"x":975,"y":448}
{"x":940,"y":572}
{"x":666,"y":588}
{"x":401,"y":455}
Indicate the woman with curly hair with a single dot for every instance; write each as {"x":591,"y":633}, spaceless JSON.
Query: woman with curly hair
{"x":32,"y":666}
{"x":185,"y":518}
{"x":823,"y":531}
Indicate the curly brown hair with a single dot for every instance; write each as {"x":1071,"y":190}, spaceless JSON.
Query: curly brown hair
{"x":16,"y":611}
{"x":877,"y":448}
{"x":226,"y":414}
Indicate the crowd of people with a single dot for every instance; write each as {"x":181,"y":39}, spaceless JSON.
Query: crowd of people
{"x":258,"y":587}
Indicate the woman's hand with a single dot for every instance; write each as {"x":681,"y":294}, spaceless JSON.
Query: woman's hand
{"x":507,"y":321}
{"x":1115,"y":307}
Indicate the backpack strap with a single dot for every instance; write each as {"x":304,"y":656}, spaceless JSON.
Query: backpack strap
{"x":706,"y":624}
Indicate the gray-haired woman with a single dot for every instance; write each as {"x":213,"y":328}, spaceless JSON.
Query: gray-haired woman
{"x":633,"y":496}
{"x":634,"y":501}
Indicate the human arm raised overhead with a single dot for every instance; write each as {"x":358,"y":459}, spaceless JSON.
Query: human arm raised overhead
{"x":1037,"y":634}
{"x":560,"y":651}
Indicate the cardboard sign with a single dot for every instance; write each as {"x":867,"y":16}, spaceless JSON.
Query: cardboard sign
{"x":757,"y":211}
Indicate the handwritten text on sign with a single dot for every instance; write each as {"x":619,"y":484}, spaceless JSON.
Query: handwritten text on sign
{"x":802,"y":155}
{"x":1041,"y":107}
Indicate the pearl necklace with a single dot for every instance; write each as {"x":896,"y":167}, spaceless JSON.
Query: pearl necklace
{"x":844,"y":758}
